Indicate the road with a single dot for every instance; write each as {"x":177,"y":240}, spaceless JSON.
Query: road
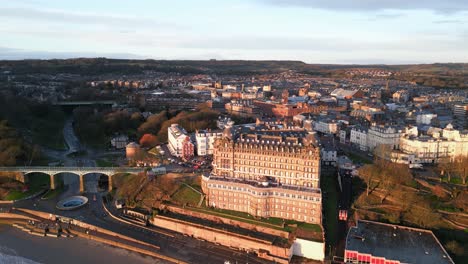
{"x":171,"y":243}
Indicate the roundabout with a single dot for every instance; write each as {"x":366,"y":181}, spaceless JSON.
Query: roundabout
{"x":72,"y":203}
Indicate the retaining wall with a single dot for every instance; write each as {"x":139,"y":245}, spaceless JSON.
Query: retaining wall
{"x":229,"y":221}
{"x":264,"y":249}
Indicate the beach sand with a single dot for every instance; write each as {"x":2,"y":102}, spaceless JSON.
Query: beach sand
{"x":19,"y":247}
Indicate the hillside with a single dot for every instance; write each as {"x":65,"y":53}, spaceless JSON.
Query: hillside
{"x":443,"y":75}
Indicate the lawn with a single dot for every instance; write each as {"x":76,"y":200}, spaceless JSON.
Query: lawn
{"x":271,"y":222}
{"x":358,"y":159}
{"x":185,"y":195}
{"x":239,"y":216}
{"x":53,"y":193}
{"x":36,"y":183}
{"x":104,"y":163}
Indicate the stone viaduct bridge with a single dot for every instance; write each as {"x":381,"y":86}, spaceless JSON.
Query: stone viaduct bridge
{"x":80,"y":171}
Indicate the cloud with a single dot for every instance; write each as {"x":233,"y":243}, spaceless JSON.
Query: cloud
{"x":448,"y":21}
{"x":384,"y":16}
{"x":444,"y":6}
{"x":64,"y":16}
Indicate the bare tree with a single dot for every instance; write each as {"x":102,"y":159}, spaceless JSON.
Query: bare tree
{"x":368,"y":173}
{"x":460,"y":163}
{"x":445,"y":167}
{"x":384,"y":151}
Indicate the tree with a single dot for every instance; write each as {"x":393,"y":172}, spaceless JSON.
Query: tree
{"x":457,"y":166}
{"x":384,"y":151}
{"x":11,"y":146}
{"x":153,"y":124}
{"x":368,"y":174}
{"x":454,"y":247}
{"x":460,"y":164}
{"x":148,"y":141}
{"x":439,"y":191}
{"x":445,"y":167}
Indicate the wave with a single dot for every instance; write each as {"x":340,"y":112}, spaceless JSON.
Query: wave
{"x":8,"y":255}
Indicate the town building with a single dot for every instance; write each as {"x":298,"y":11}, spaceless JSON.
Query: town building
{"x":273,"y":173}
{"x":329,"y":155}
{"x":178,"y":141}
{"x":341,"y":93}
{"x":132,"y":150}
{"x":374,"y":242}
{"x":205,"y":141}
{"x":358,"y":137}
{"x":263,"y":199}
{"x":434,"y":146}
{"x":188,"y":149}
{"x":326,"y":126}
{"x":425,"y":118}
{"x":460,"y":112}
{"x":383,"y":135}
{"x":243,"y":108}
{"x":119,"y":142}
{"x":401,"y":96}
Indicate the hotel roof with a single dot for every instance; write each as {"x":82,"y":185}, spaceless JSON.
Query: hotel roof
{"x":393,"y":242}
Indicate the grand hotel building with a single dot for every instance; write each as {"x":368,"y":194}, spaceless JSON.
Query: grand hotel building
{"x":274,"y":173}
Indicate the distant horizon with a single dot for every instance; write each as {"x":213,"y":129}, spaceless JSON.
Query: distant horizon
{"x":45,"y":58}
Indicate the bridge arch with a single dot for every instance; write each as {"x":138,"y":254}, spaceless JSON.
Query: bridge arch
{"x":61,"y":175}
{"x":29,"y":175}
{"x":104,"y":180}
{"x":55,"y":172}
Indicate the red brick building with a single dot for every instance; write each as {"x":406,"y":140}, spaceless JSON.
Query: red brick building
{"x":188,"y":149}
{"x":380,"y":243}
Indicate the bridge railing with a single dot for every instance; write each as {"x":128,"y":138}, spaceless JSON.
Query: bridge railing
{"x":44,"y":168}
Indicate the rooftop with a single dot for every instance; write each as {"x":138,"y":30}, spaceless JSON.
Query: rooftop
{"x":267,"y":184}
{"x":405,"y":244}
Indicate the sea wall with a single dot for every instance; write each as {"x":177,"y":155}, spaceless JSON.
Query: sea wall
{"x":263,"y":248}
{"x":229,"y":221}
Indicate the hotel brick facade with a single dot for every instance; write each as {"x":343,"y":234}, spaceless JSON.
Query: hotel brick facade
{"x":266,"y":174}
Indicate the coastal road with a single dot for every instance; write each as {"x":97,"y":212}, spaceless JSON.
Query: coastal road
{"x":171,"y":243}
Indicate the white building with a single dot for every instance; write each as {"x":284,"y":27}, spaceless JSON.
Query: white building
{"x":425,"y":118}
{"x":387,"y":135}
{"x":431,"y":148}
{"x":176,"y":135}
{"x":119,"y":142}
{"x":358,"y":137}
{"x":328,"y":155}
{"x":326,"y":126}
{"x":205,"y":141}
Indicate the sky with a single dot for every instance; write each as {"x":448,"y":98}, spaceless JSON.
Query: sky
{"x":313,"y":31}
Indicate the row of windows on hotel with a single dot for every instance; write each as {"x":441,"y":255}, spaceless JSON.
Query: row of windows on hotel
{"x":264,"y":193}
{"x":287,"y":215}
{"x":277,"y":208}
{"x":312,"y":180}
{"x":277,"y":173}
{"x":272,"y":158}
{"x":274,"y":165}
{"x":269,"y":147}
{"x":281,"y":204}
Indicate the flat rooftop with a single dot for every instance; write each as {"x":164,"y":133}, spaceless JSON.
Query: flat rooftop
{"x":393,"y":242}
{"x":270,"y":185}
